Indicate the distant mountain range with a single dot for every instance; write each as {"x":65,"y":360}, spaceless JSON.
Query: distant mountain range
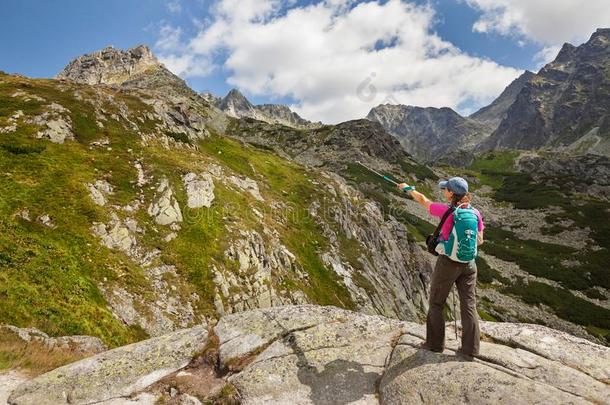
{"x":428,"y":133}
{"x":565,"y":106}
{"x":148,"y":207}
{"x":236,"y":105}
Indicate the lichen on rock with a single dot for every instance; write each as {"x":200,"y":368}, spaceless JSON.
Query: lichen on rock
{"x":199,"y":189}
{"x":165,"y":209}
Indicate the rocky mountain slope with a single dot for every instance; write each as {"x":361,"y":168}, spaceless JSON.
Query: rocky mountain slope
{"x":495,"y":112}
{"x":549,"y":203}
{"x":562,"y":107}
{"x":432,"y":133}
{"x":565,"y":105}
{"x":325,"y":355}
{"x":428,"y":133}
{"x":236,"y":105}
{"x":132,"y":207}
{"x":129,"y":210}
{"x":111,"y":66}
{"x":332,"y":146}
{"x":547,"y":246}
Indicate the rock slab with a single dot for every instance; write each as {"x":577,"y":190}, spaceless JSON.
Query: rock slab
{"x":115,"y":373}
{"x":308,"y":354}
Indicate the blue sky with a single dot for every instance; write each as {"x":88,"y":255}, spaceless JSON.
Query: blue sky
{"x":40,"y":37}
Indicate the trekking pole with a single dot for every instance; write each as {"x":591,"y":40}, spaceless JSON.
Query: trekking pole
{"x":454,"y":313}
{"x":386,"y":178}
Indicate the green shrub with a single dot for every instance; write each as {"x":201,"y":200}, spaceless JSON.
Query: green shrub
{"x":23,"y":149}
{"x":179,"y":137}
{"x":486,"y":274}
{"x":537,"y":258}
{"x":564,"y":304}
{"x":422,"y":172}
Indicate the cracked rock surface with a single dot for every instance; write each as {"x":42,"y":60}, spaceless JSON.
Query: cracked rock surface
{"x":308,"y":354}
{"x":324,"y":355}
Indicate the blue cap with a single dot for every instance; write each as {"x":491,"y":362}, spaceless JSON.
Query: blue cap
{"x":456,"y":184}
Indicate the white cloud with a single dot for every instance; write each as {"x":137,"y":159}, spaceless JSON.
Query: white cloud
{"x":187,"y":65}
{"x":338,"y":58}
{"x":548,"y":22}
{"x":169,"y":39}
{"x":174,"y":6}
{"x":546,"y":55}
{"x":174,"y":54}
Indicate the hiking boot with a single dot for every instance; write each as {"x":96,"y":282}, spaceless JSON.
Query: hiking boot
{"x":425,"y":346}
{"x":466,"y":356}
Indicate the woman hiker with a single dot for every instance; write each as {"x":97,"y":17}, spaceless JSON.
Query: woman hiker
{"x":455,"y":264}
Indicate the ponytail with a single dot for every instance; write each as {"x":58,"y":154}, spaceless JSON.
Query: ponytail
{"x":458,"y":199}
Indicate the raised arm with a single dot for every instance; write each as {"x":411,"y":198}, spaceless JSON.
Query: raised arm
{"x":417,"y":196}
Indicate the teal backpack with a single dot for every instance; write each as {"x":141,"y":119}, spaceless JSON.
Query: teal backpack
{"x":462,"y":243}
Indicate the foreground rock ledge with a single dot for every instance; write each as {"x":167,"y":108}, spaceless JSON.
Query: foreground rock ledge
{"x":309,"y":354}
{"x":113,"y":374}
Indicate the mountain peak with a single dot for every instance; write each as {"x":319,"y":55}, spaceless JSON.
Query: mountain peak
{"x":495,"y":112}
{"x":565,"y":53}
{"x":601,"y":32}
{"x":564,"y":105}
{"x":428,"y":132}
{"x":236,"y":105}
{"x":110,"y":65}
{"x":234,"y":93}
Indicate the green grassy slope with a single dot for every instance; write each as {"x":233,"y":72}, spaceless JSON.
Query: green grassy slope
{"x":49,"y":277}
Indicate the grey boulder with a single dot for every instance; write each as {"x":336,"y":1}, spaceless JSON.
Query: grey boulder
{"x":115,"y":373}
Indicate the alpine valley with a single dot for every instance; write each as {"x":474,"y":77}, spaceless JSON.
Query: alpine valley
{"x":132,"y":207}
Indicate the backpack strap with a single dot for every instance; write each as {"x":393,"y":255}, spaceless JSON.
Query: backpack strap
{"x":437,"y":231}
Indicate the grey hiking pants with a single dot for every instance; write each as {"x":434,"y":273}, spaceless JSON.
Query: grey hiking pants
{"x":464,"y":275}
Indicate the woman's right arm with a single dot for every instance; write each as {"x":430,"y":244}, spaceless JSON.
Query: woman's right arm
{"x":417,"y":196}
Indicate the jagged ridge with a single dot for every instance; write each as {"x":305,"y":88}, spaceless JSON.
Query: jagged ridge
{"x":565,"y":105}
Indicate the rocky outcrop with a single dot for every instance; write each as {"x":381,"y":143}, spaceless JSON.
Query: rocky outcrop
{"x":587,"y":174}
{"x":11,"y":123}
{"x":391,"y":276}
{"x":329,"y":146}
{"x":428,"y":133}
{"x":165,"y":209}
{"x":119,"y":234}
{"x":9,"y":380}
{"x":199,"y":189}
{"x":309,"y":354}
{"x":113,"y":374}
{"x":247,"y":185}
{"x":574,"y":352}
{"x":252,"y":283}
{"x":177,"y":107}
{"x":110,"y":66}
{"x":565,"y":105}
{"x":77,"y":344}
{"x":282,"y":114}
{"x":99,"y":191}
{"x":55,"y":124}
